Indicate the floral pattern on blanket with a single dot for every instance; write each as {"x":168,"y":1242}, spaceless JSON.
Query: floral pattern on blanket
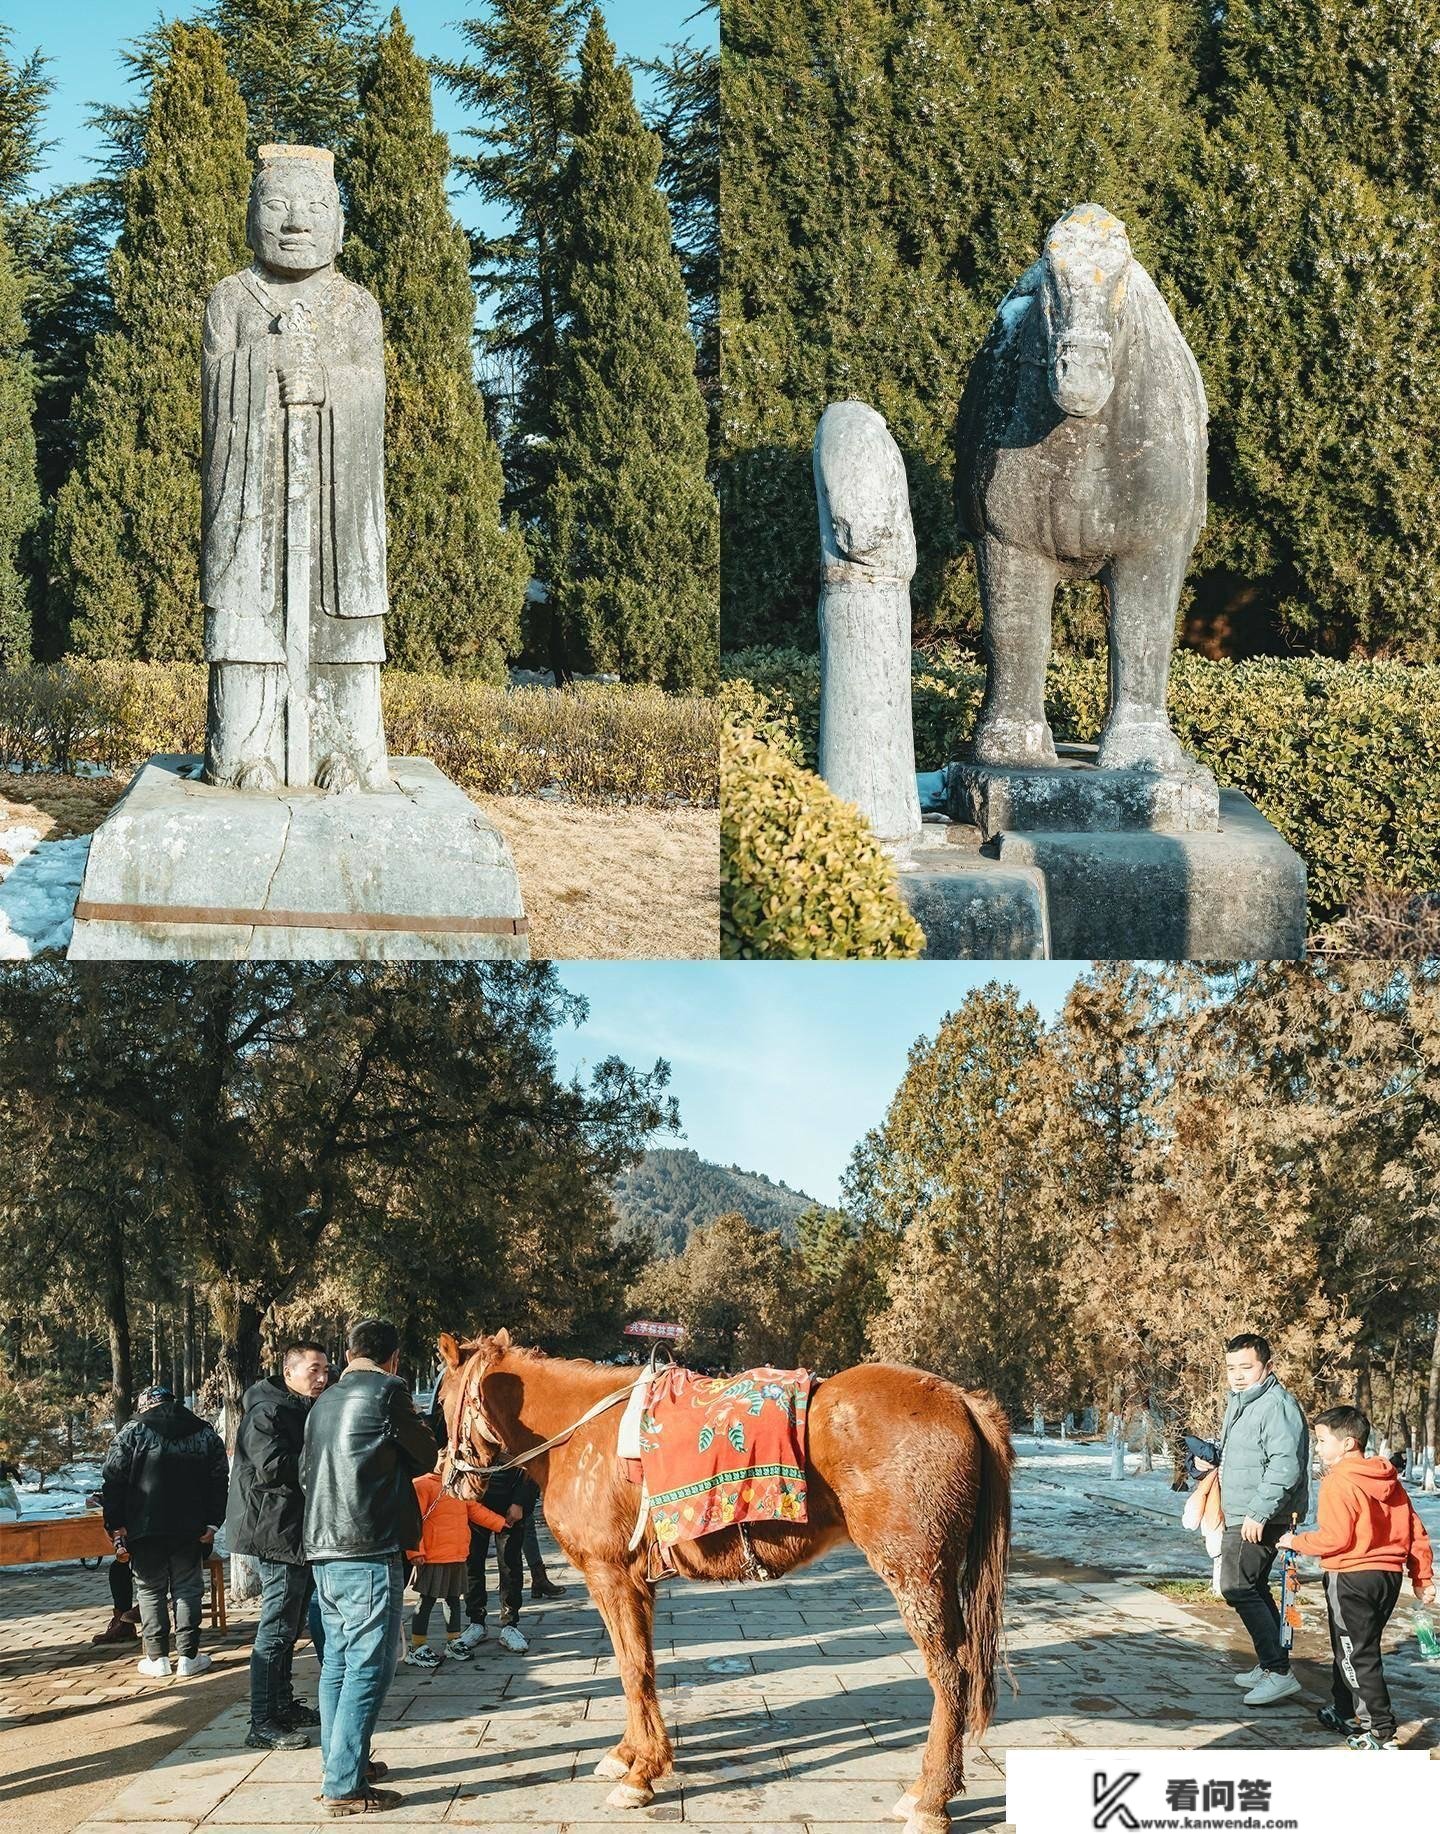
{"x":717,"y":1450}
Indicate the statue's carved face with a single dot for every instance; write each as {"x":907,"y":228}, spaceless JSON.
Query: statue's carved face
{"x":1087,"y":267}
{"x":295,"y":225}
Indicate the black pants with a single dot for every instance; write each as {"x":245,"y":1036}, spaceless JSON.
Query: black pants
{"x":510,"y":1550}
{"x":1360,"y":1605}
{"x":164,"y":1566}
{"x":1245,"y":1586}
{"x":285,"y":1594}
{"x":122,"y":1586}
{"x":533,"y":1559}
{"x":420,"y":1623}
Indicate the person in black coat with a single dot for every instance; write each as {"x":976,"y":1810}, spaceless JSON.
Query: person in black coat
{"x":266,"y":1521}
{"x":162,"y":1494}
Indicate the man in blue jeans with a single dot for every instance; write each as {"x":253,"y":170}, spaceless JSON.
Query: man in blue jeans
{"x":364,"y":1447}
{"x":265,"y":1522}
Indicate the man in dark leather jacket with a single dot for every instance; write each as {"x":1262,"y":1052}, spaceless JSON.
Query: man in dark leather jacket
{"x":364,"y":1447}
{"x":266,"y":1521}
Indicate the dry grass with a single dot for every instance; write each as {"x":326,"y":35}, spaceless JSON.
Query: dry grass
{"x":614,"y":883}
{"x":55,"y":806}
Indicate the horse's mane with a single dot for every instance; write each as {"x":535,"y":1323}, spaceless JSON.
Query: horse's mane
{"x":527,"y":1353}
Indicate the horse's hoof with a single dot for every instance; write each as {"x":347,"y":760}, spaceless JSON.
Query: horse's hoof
{"x":1148,"y":746}
{"x":1007,"y":741}
{"x":261,"y":776}
{"x":612,"y":1767}
{"x":624,"y":1796}
{"x":906,"y":1806}
{"x":921,"y":1823}
{"x":336,"y":775}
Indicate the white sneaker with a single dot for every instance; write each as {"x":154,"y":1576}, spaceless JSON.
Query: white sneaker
{"x":1251,"y":1678}
{"x":471,"y":1638}
{"x":513,"y":1639}
{"x":194,"y":1665}
{"x":1271,"y":1689}
{"x":153,"y":1668}
{"x":422,"y":1656}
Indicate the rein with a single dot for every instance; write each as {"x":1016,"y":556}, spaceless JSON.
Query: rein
{"x":457,"y":1465}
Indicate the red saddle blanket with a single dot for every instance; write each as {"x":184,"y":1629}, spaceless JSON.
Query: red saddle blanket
{"x":722,"y":1449}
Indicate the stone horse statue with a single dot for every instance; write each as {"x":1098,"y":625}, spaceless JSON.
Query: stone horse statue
{"x":1080,"y":453}
{"x":905,"y":1466}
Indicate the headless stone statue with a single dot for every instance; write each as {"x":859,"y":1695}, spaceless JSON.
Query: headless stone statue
{"x":867,"y":558}
{"x":293,"y":559}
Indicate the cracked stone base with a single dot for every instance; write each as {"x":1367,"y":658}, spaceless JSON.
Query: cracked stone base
{"x":183,"y":871}
{"x":1077,"y":796}
{"x":970,"y":906}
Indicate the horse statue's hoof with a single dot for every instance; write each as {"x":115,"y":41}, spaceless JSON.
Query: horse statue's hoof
{"x":1006,"y":741}
{"x":261,"y":775}
{"x":625,"y":1796}
{"x":336,"y":775}
{"x":612,"y":1768}
{"x":906,"y":1806}
{"x":1137,"y":746}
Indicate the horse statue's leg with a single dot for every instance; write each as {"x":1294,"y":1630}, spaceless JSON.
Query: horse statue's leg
{"x":1017,"y":590}
{"x":1144,"y":594}
{"x":627,"y":1605}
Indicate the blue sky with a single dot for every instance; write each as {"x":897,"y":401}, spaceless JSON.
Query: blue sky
{"x":781,"y":1067}
{"x":83,"y":38}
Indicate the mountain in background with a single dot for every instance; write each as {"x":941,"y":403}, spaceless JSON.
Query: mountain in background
{"x":673,"y":1191}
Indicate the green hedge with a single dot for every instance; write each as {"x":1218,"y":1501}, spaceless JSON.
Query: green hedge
{"x":801,"y":875}
{"x":594,"y":743}
{"x":1343,"y":757}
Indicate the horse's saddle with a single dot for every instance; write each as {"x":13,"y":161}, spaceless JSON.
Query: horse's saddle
{"x":713,"y":1451}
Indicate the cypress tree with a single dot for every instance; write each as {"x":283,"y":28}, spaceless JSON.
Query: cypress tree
{"x":635,"y":554}
{"x":457,"y":577}
{"x":19,"y":489}
{"x":297,"y":64}
{"x":891,"y":167}
{"x":127,"y":525}
{"x":1302,"y":237}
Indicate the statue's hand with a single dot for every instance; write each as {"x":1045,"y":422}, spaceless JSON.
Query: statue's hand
{"x":299,"y":370}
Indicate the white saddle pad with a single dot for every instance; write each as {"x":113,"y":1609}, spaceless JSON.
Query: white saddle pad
{"x":629,"y":1442}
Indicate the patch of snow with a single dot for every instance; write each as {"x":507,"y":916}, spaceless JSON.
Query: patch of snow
{"x":38,"y":890}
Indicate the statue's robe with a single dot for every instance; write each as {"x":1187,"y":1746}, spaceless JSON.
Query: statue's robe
{"x":242,"y":565}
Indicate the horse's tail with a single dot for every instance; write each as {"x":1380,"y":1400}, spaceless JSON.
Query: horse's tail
{"x":987,"y":1556}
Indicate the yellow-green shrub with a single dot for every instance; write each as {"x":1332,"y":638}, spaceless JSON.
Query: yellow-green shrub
{"x":801,"y":875}
{"x":598,"y":742}
{"x":1343,"y":757}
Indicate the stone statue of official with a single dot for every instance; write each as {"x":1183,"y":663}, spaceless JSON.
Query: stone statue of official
{"x":293,"y":559}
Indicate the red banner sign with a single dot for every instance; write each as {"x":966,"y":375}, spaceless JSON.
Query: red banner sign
{"x":647,"y":1327}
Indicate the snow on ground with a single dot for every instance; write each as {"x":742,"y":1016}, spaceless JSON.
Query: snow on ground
{"x":39,"y":883}
{"x":1068,"y":1507}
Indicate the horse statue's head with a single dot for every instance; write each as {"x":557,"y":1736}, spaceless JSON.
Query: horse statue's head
{"x":1085,"y":275}
{"x":472,"y":1443}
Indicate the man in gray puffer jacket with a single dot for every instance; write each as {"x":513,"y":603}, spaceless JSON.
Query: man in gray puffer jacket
{"x":1264,"y":1482}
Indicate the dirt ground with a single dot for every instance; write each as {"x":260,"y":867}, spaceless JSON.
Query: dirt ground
{"x":598,"y":883}
{"x":608,"y":884}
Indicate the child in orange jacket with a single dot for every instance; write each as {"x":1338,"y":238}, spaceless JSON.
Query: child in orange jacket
{"x":1368,"y":1536}
{"x":440,"y":1561}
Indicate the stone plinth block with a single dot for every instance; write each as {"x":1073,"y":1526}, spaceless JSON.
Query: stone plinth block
{"x":974,"y":908}
{"x":1235,"y":895}
{"x":1076,"y":795}
{"x":182,"y":870}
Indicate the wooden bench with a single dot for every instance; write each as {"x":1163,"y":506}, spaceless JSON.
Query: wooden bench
{"x":42,"y":1543}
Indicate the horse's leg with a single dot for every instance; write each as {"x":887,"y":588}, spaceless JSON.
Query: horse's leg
{"x":627,"y":1605}
{"x":924,"y":1585}
{"x":618,"y":1759}
{"x":1144,"y":593}
{"x":1017,"y":589}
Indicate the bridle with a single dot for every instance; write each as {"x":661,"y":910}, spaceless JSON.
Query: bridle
{"x":470,"y":1416}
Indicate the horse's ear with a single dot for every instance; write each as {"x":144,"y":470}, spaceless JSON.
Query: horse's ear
{"x":501,"y":1339}
{"x":449,"y":1351}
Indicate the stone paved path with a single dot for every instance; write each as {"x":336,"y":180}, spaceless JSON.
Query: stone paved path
{"x":793,"y":1706}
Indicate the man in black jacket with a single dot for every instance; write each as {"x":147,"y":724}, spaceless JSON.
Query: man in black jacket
{"x":364,"y":1447}
{"x":162,"y":1494}
{"x":266,"y":1521}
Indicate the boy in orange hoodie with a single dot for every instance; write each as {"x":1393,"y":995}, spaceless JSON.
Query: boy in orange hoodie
{"x":1368,"y":1536}
{"x":440,"y":1563}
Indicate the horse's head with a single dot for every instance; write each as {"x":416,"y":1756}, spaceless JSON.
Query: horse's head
{"x":1086,"y":271}
{"x":472,"y":1441}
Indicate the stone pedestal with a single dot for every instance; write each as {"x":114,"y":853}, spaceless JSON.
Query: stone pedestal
{"x":1232,"y":893}
{"x":1076,"y":796}
{"x":183,"y":871}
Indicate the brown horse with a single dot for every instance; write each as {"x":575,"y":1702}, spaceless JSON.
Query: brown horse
{"x":912,"y":1470}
